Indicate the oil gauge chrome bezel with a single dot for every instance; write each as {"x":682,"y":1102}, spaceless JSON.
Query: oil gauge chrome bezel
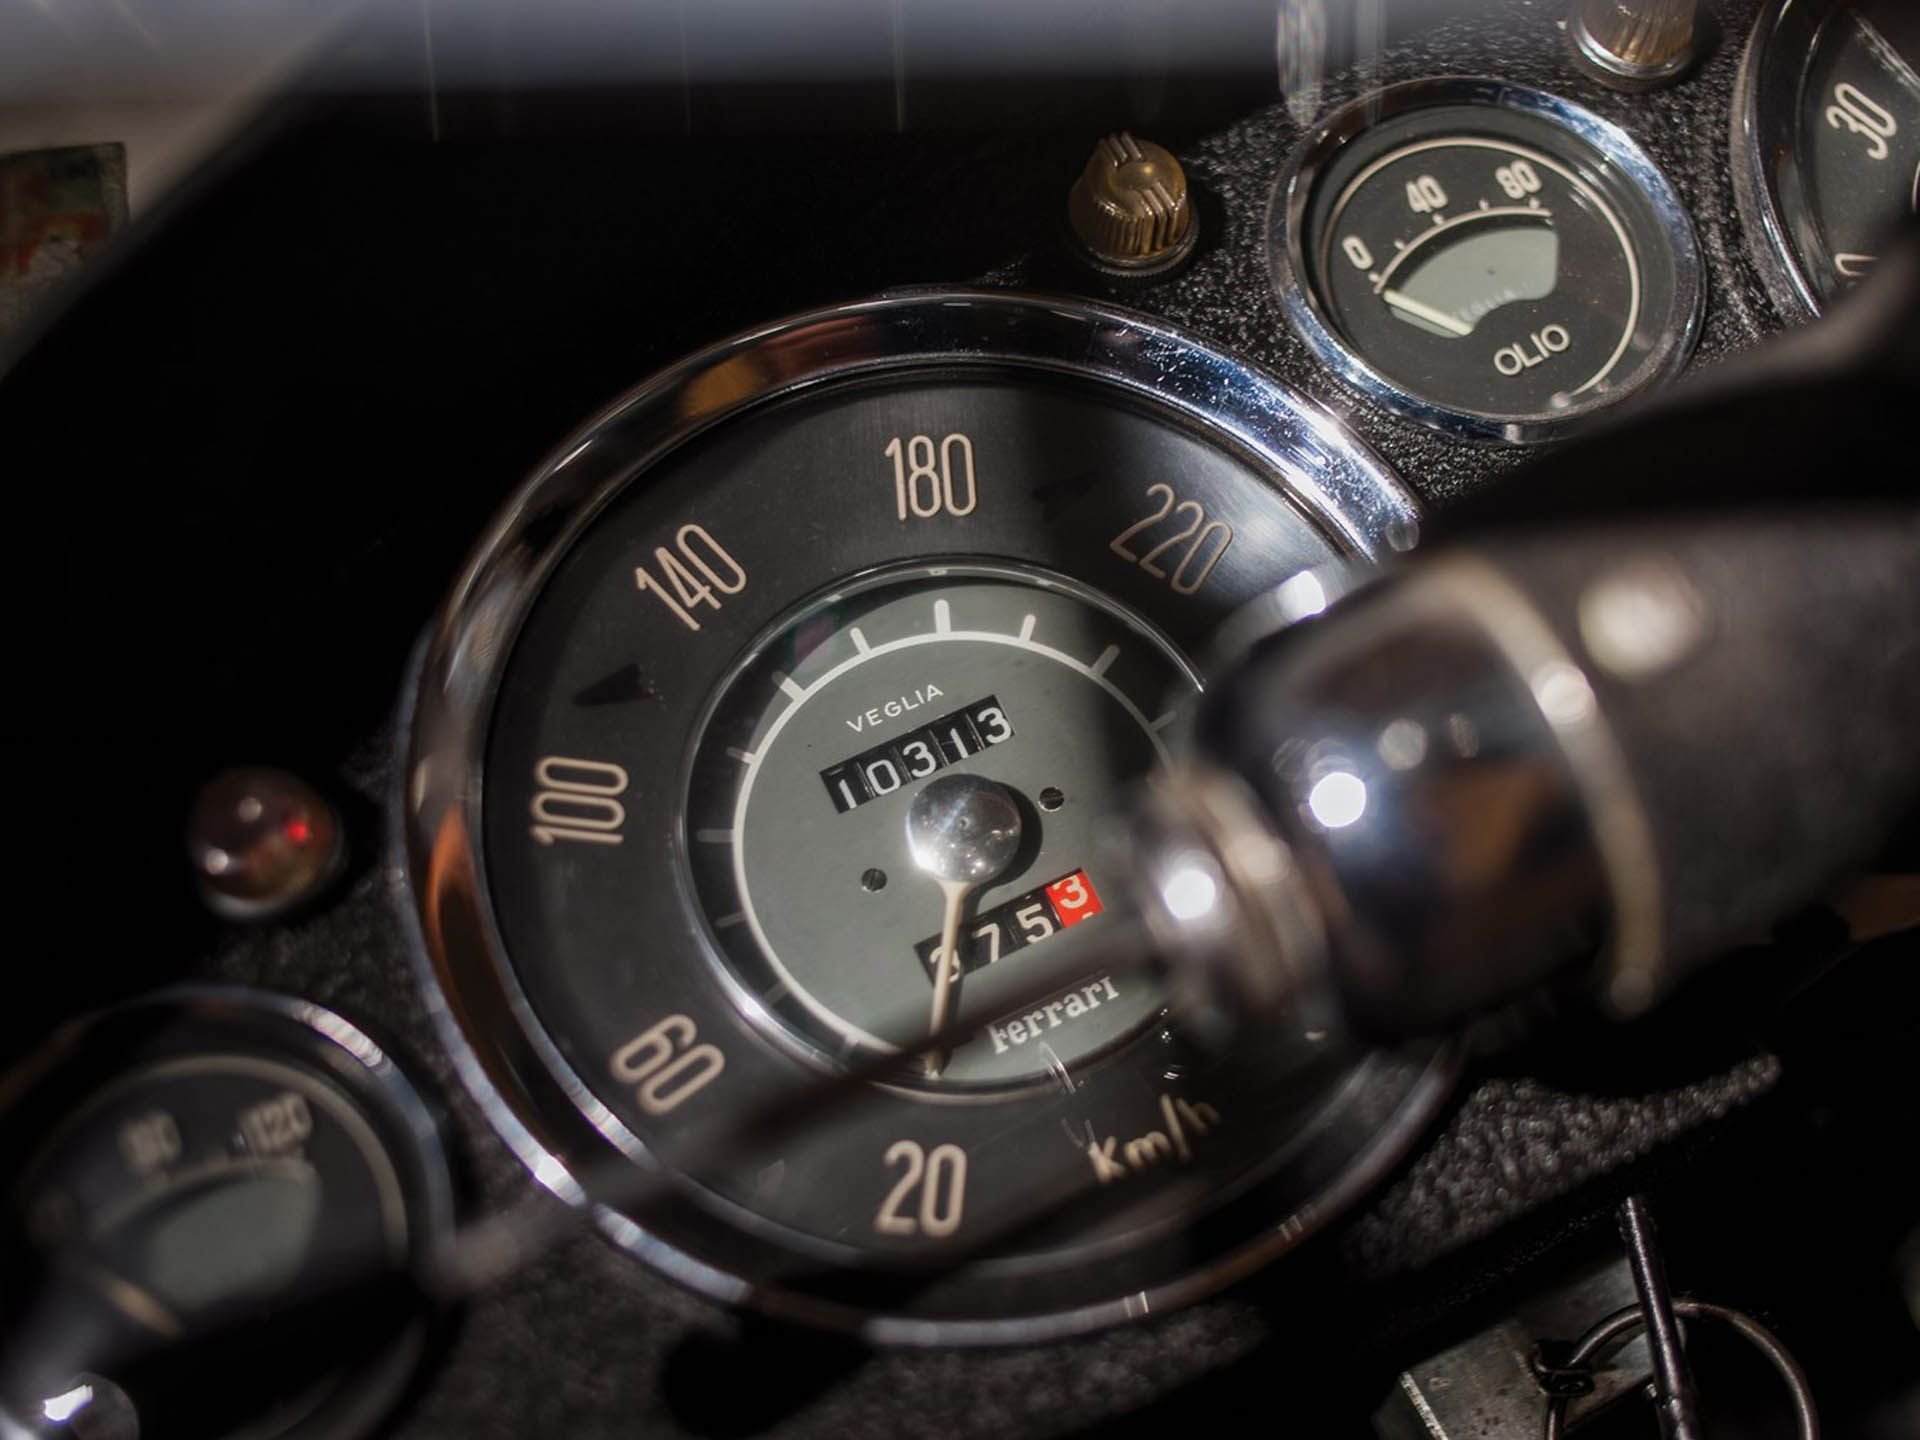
{"x":1294,"y":283}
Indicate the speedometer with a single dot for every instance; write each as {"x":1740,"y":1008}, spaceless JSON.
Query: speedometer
{"x":925,"y":572}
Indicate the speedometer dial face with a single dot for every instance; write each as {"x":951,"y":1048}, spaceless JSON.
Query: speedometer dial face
{"x":673,"y":731}
{"x":1016,"y":676}
{"x":1488,"y":259}
{"x":1827,"y":141}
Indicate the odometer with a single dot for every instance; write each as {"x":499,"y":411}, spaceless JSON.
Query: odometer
{"x":681,"y":720}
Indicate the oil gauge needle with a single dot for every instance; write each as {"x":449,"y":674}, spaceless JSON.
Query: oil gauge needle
{"x":1407,"y":305}
{"x":963,"y":831}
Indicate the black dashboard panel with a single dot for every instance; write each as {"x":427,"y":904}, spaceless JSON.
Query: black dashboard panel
{"x":257,"y":446}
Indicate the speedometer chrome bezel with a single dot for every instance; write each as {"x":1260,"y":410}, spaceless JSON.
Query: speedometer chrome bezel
{"x":528,"y":1090}
{"x":1292,"y":276}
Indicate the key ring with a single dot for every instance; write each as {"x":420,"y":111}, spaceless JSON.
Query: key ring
{"x":1624,"y":1322}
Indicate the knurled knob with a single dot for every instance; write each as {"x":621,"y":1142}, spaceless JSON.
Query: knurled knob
{"x":1129,"y":208}
{"x":1633,"y":44}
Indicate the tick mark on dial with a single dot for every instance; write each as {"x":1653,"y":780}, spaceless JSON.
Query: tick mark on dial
{"x":714,"y":837}
{"x":1106,"y":659}
{"x":792,"y":688}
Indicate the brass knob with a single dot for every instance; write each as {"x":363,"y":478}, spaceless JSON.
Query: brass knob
{"x":1632,"y":44}
{"x":1129,"y":208}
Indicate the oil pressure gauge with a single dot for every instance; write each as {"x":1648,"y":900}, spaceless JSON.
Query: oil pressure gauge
{"x":1487,"y":259}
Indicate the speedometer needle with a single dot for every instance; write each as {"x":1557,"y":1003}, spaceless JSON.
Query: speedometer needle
{"x":946,"y":961}
{"x":963,"y":831}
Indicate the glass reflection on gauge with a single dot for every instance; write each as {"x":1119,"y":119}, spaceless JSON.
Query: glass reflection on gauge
{"x":1490,"y":260}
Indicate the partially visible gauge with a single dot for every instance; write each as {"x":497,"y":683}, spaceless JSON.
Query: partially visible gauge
{"x":1826,"y":141}
{"x":669,"y":735}
{"x":1489,"y":260}
{"x":193,"y":1186}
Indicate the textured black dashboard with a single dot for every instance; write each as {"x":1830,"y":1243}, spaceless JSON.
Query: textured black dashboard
{"x":339,"y":353}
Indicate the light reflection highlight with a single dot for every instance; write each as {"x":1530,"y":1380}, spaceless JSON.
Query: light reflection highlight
{"x":62,"y":1408}
{"x":1189,"y":892}
{"x":1337,"y":800}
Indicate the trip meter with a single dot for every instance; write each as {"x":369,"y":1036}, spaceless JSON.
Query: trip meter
{"x":716,"y":728}
{"x":1487,"y":259}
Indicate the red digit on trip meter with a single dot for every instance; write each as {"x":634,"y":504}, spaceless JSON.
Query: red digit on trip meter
{"x":1073,"y":898}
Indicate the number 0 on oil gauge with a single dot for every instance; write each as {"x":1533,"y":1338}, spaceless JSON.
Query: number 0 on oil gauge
{"x":1489,"y":260}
